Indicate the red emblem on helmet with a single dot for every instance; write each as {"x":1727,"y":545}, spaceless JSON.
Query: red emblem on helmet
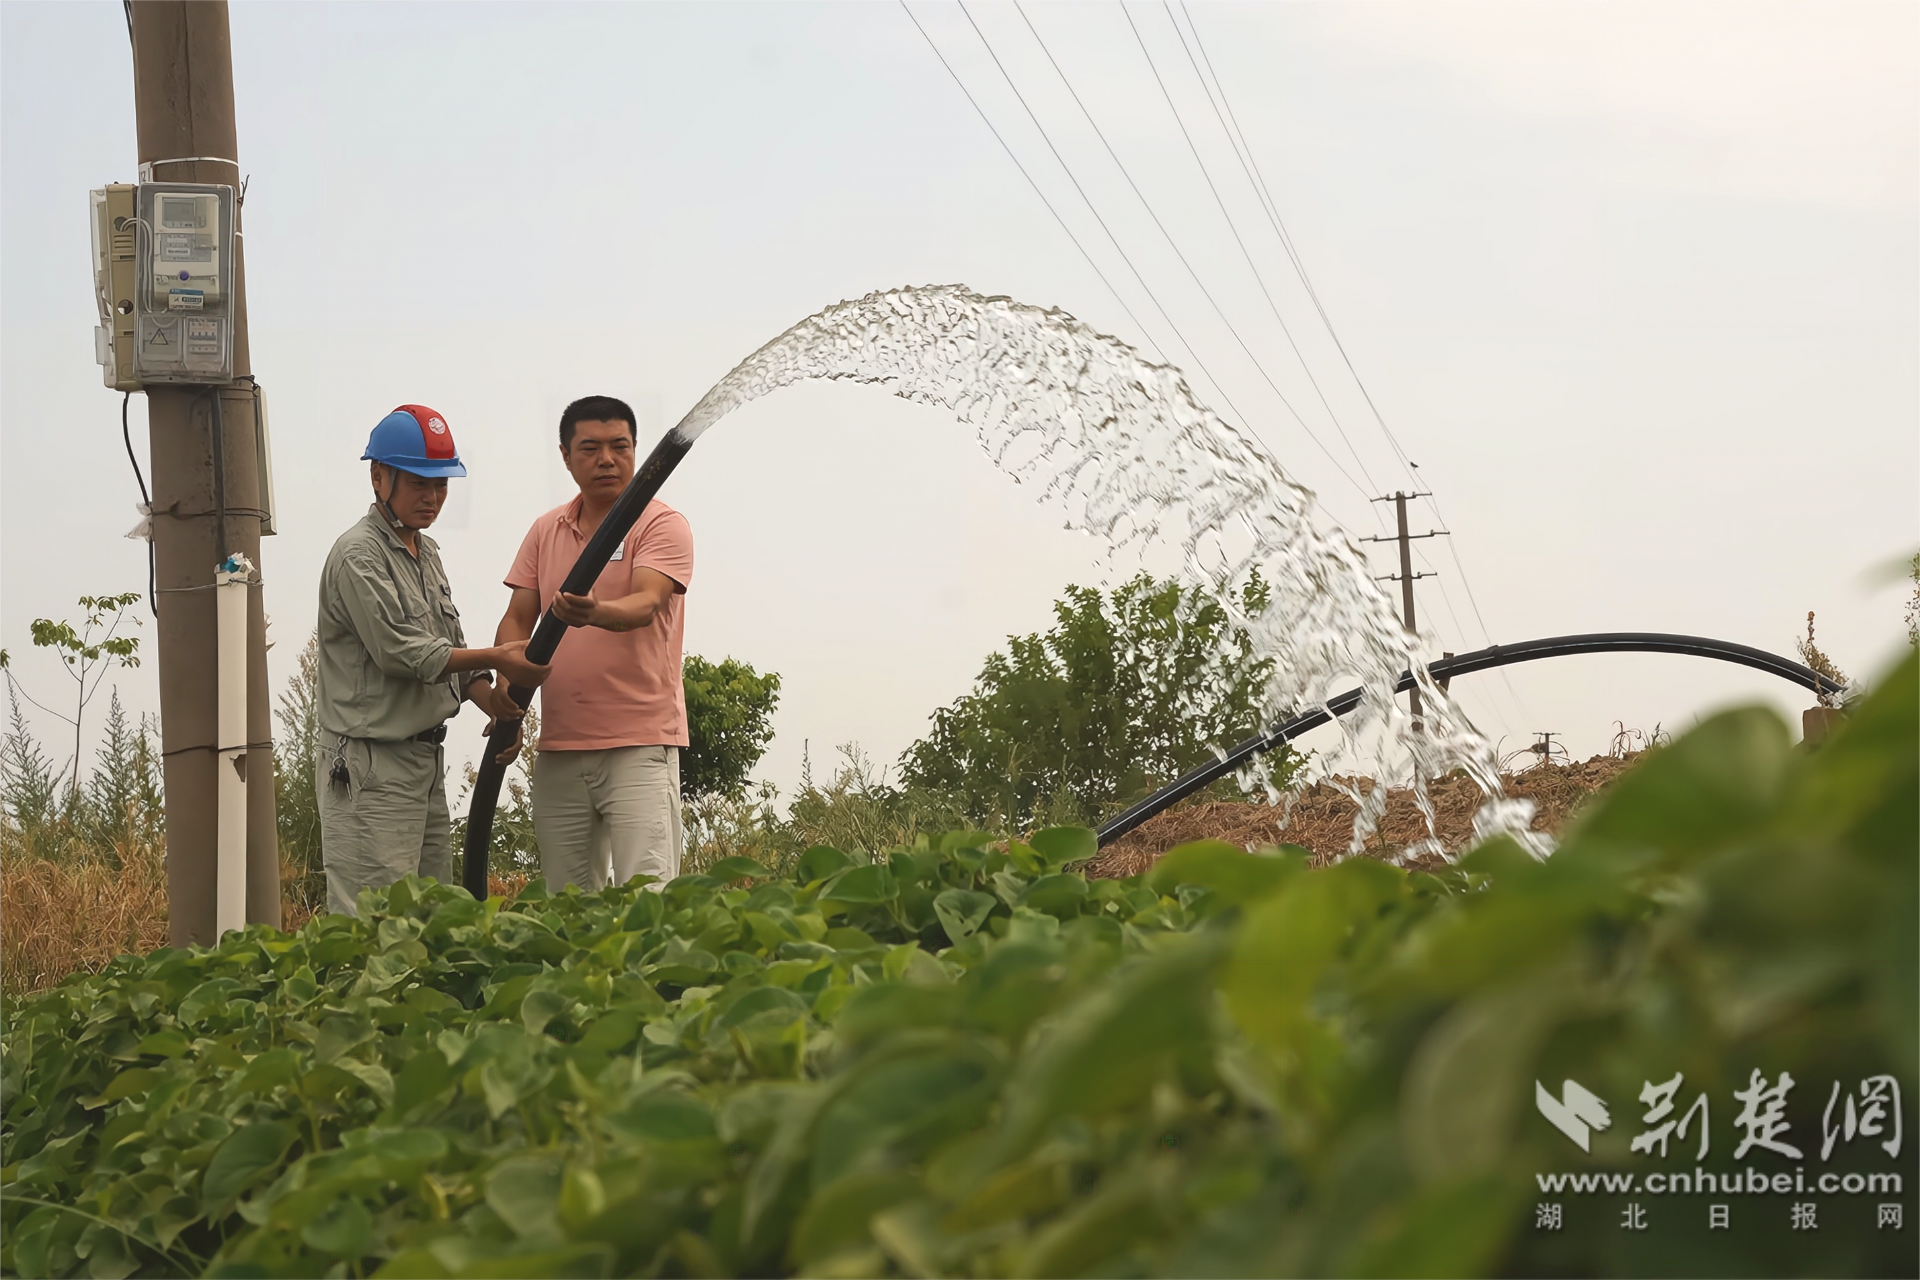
{"x":435,"y":437}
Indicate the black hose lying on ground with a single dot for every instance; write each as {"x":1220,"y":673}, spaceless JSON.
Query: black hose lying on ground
{"x":626,"y":509}
{"x":1499,"y":655}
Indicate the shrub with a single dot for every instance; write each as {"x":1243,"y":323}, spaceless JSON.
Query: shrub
{"x":856,"y":810}
{"x":296,"y":755}
{"x":729,"y":724}
{"x":1912,"y":615}
{"x":960,"y":1059}
{"x":30,"y":791}
{"x":121,"y":804}
{"x":1818,"y":662}
{"x":859,"y":809}
{"x":1125,"y":692}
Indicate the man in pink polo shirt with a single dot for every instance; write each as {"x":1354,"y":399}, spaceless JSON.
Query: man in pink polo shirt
{"x":613,"y":715}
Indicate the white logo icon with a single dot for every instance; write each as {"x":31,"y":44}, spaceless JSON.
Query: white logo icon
{"x":1580,"y":1111}
{"x":436,"y":426}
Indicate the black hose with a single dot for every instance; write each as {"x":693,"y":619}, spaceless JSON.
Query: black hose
{"x":1465,"y":664}
{"x":626,"y":509}
{"x":218,"y":423}
{"x":146,"y":503}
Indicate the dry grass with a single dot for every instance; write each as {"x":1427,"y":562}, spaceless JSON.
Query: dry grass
{"x":59,"y":917}
{"x":1322,"y":818}
{"x":74,"y":912}
{"x":507,"y":885}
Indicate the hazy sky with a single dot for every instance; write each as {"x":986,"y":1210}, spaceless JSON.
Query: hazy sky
{"x":1635,"y":285}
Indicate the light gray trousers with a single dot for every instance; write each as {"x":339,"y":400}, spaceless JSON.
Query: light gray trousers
{"x":608,"y":813}
{"x":388,"y":819}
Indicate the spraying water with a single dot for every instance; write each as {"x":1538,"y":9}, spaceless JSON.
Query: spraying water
{"x":1126,"y":452}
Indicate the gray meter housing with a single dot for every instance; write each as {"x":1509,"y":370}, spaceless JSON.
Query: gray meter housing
{"x":164,"y":283}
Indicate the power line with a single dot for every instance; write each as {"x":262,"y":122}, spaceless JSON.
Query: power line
{"x":1174,"y":245}
{"x":1233,"y":228}
{"x":1272,"y":209}
{"x":1256,"y":177}
{"x":1030,"y":182}
{"x":1441,"y":582}
{"x":1088,"y":201}
{"x":1515,"y":705}
{"x":1089,"y":257}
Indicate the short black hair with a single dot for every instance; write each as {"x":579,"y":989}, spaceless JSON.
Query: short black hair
{"x":595,"y":409}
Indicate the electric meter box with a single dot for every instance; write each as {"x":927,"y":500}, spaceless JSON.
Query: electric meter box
{"x":163,"y":262}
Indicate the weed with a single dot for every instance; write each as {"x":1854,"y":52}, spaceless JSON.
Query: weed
{"x":1822,"y":665}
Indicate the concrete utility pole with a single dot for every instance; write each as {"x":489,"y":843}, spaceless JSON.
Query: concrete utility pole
{"x":1406,"y":575}
{"x":183,"y":110}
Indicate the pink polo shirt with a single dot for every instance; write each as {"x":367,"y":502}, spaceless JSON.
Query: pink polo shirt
{"x":612,"y":688}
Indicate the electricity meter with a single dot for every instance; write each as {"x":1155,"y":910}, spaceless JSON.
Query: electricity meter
{"x":113,"y":284}
{"x":163,"y":283}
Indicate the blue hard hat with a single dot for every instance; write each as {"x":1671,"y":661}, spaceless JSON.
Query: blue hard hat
{"x":414,"y":438}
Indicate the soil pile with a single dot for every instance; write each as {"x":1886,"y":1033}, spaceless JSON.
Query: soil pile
{"x":1322,"y":817}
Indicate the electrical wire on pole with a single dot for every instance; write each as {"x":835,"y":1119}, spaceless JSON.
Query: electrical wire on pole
{"x":1243,"y":150}
{"x":1144,"y":332}
{"x":1270,"y":206}
{"x":1237,"y":141}
{"x":1234,"y":229}
{"x":1193,"y":354}
{"x":1173,"y":244}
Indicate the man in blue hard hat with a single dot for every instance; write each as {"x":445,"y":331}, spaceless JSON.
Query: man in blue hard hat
{"x":394,"y":668}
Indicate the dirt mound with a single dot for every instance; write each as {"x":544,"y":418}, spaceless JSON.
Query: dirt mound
{"x":1322,"y":818}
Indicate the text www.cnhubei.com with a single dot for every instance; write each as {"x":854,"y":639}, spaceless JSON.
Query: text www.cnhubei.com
{"x":1746,"y":1181}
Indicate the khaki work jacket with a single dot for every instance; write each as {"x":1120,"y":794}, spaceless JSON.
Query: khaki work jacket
{"x":387,"y":627}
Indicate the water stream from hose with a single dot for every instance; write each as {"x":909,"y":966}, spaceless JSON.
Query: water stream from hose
{"x":1125,"y":451}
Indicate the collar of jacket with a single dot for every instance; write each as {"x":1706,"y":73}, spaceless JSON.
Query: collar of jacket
{"x":378,"y":519}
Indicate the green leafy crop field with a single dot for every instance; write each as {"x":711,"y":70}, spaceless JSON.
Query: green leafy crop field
{"x":967,"y":1059}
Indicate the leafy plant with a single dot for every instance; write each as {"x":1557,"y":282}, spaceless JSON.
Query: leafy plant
{"x":959,"y":1058}
{"x":730,"y":710}
{"x":87,"y":652}
{"x":1126,"y":691}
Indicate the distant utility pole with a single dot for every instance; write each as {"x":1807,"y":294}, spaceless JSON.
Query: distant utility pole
{"x":206,"y":499}
{"x":1406,"y":575}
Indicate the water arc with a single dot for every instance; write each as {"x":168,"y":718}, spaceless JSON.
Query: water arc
{"x":1465,"y":664}
{"x":1123,"y":449}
